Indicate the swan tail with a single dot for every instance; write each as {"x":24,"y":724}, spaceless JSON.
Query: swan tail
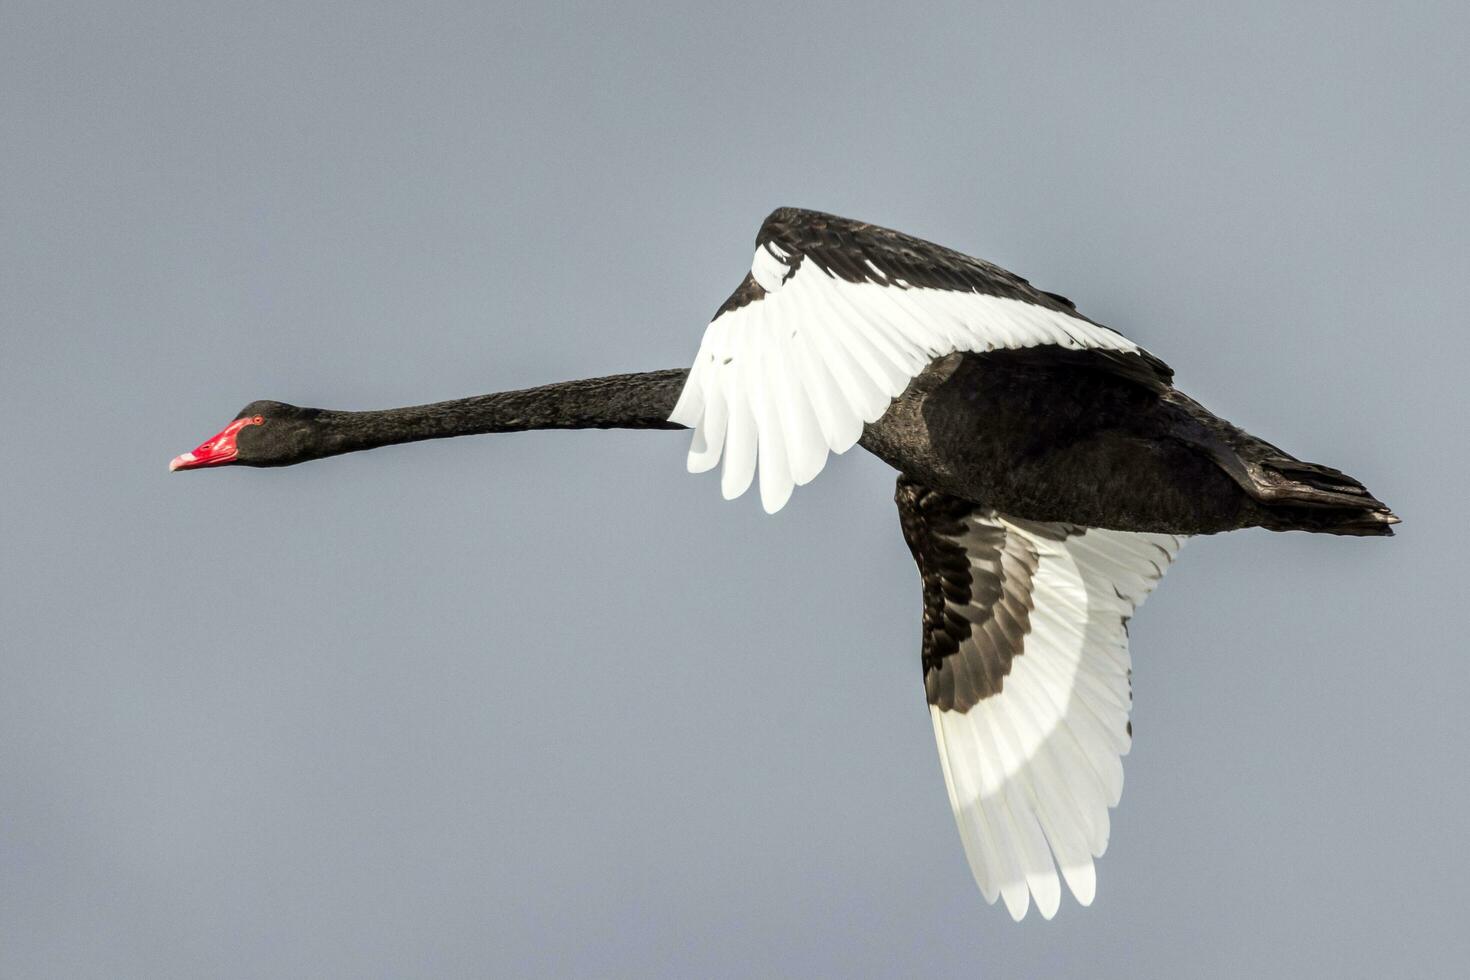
{"x":1300,"y":496}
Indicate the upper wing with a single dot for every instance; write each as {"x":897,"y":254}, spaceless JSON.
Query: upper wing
{"x":1027,"y":673}
{"x":833,"y":321}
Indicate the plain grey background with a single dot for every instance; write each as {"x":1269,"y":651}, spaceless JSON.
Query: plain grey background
{"x":544,"y":705}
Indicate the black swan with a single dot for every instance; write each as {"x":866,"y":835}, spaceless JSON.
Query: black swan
{"x":1048,"y":473}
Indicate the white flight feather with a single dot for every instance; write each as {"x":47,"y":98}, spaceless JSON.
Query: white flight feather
{"x":1031,"y":771}
{"x":856,"y":347}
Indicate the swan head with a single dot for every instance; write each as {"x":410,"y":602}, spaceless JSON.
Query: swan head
{"x":264,"y":433}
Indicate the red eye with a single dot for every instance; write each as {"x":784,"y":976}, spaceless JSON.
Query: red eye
{"x":258,"y":420}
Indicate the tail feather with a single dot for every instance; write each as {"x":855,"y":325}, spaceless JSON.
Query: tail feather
{"x":1287,"y":479}
{"x":1291,"y":495}
{"x":1363,"y":522}
{"x":1311,"y":497}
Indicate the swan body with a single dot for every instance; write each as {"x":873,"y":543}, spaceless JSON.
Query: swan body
{"x":1049,"y":472}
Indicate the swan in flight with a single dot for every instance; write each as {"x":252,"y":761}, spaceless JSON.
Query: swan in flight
{"x":1048,"y":472}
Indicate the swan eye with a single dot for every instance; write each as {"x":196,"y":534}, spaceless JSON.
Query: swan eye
{"x":258,"y":420}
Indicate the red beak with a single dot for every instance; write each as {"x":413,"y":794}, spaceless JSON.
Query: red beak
{"x":216,"y":450}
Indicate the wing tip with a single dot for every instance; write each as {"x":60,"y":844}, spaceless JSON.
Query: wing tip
{"x":1017,"y":898}
{"x":701,"y":463}
{"x":774,"y":500}
{"x":1082,"y":882}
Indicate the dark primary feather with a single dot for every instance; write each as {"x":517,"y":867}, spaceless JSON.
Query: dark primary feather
{"x":977,"y":592}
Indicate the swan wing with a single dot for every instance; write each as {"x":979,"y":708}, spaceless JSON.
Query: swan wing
{"x":830,"y":325}
{"x":1026,"y":670}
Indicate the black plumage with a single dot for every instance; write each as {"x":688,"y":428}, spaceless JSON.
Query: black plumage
{"x":976,"y":582}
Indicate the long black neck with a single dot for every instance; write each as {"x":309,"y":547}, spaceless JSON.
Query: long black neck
{"x":619,"y":401}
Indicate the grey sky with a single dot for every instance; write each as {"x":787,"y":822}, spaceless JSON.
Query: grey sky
{"x":544,"y":704}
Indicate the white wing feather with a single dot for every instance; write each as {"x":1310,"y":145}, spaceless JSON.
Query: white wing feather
{"x":1033,"y":769}
{"x":795,"y":374}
